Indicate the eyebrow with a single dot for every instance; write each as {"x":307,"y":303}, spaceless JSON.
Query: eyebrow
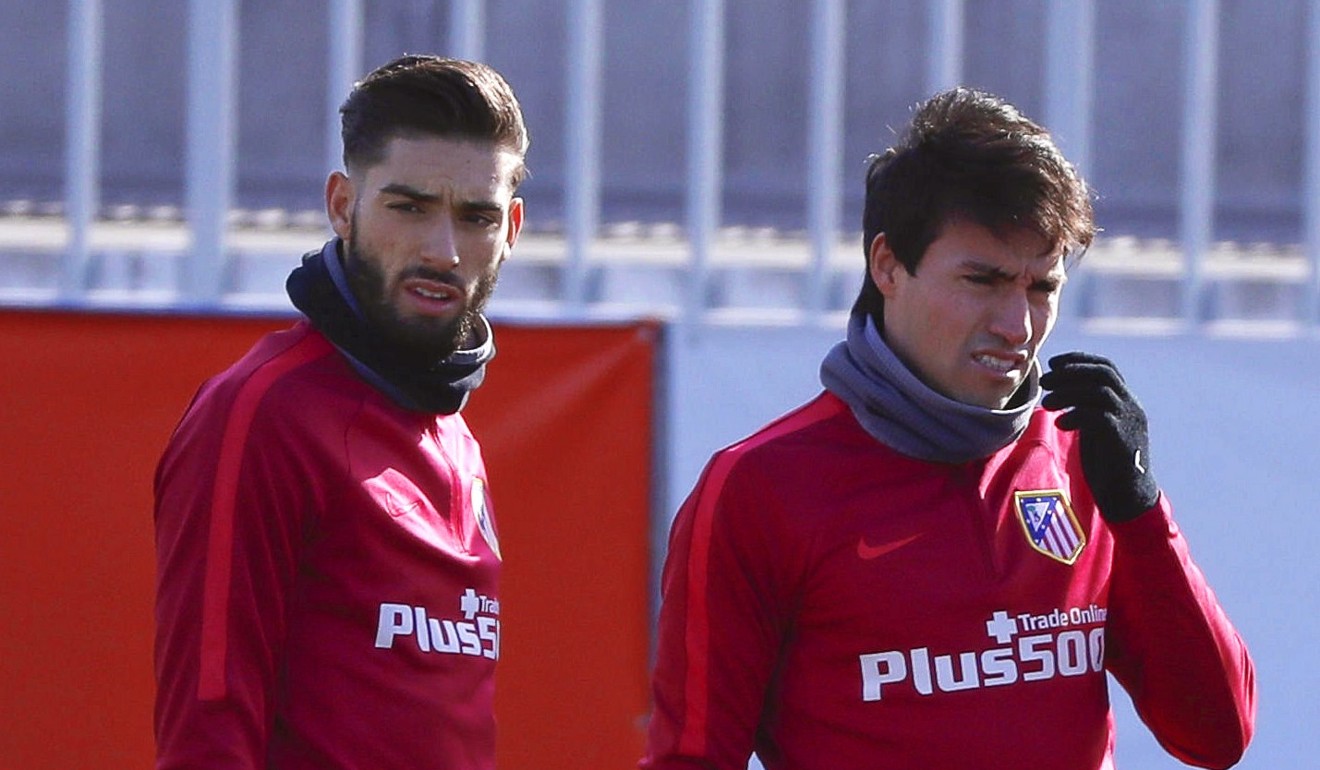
{"x":1049,"y":279}
{"x":412,"y":193}
{"x":408,"y":191}
{"x":987,"y":270}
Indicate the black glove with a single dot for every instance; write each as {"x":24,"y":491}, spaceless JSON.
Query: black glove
{"x":1114,"y":442}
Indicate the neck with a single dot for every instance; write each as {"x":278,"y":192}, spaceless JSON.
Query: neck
{"x":899,"y":410}
{"x":439,"y":384}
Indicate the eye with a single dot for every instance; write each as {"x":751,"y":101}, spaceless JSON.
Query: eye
{"x":981,"y":279}
{"x":406,"y":207}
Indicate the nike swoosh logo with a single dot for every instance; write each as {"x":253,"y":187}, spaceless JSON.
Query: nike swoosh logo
{"x":868,"y":551}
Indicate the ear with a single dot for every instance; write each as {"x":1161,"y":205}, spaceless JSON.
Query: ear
{"x":883,"y":265}
{"x":339,"y":199}
{"x":515,"y":227}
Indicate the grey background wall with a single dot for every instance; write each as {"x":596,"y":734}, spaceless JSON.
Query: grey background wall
{"x":1236,"y":444}
{"x":1139,"y":68}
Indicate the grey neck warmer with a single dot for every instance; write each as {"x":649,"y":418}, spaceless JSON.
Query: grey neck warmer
{"x":319,"y":288}
{"x":902,"y":412}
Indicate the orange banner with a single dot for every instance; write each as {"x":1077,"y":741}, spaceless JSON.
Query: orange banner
{"x":566,"y":422}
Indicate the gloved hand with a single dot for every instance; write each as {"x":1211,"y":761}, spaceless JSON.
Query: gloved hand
{"x":1113,"y":438}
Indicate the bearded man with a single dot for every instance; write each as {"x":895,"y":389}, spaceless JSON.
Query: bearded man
{"x":328,"y":562}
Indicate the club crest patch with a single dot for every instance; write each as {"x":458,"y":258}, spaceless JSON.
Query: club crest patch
{"x":1049,"y":523}
{"x":485,"y":522}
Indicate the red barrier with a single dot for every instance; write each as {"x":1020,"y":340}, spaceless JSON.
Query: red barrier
{"x":565,"y":419}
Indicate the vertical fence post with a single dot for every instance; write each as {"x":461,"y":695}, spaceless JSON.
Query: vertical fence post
{"x":82,"y":145}
{"x":1070,"y":77}
{"x":1196,"y":209}
{"x":212,"y":42}
{"x":344,"y":66}
{"x":825,"y":146}
{"x":705,"y":146}
{"x":582,"y":181}
{"x":467,"y":29}
{"x":1311,"y":184}
{"x":1069,"y":95}
{"x":946,"y":45}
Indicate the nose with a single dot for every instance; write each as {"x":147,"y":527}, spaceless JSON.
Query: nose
{"x":1011,"y":320}
{"x":439,"y":246}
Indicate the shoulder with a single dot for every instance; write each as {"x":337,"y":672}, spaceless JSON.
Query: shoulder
{"x":799,"y":450}
{"x":291,"y":371}
{"x":289,"y":378}
{"x":770,"y":496}
{"x":250,"y":418}
{"x":800,"y":427}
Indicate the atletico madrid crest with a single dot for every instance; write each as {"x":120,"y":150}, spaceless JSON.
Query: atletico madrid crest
{"x":1049,"y":523}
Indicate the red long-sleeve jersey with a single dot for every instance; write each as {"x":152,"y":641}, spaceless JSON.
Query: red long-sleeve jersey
{"x":833,"y":604}
{"x":327,"y":575}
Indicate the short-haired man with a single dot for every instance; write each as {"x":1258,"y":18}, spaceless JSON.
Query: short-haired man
{"x":921,"y":567}
{"x":328,"y":565}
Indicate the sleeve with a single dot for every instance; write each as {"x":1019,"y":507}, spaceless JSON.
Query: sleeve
{"x":723,"y":617}
{"x":228,"y":515}
{"x":1172,"y":647}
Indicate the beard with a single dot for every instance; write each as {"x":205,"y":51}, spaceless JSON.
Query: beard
{"x":426,"y":340}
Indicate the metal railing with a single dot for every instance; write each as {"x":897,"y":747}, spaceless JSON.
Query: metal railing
{"x":212,"y":47}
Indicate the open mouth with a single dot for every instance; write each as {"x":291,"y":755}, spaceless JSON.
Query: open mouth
{"x":445,"y":293}
{"x":1000,"y":364}
{"x":432,"y":296}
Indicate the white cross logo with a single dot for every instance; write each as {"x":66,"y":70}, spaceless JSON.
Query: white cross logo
{"x":469,"y":604}
{"x":1001,"y":626}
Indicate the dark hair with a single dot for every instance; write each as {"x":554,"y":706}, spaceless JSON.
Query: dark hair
{"x":970,"y":155}
{"x":421,"y":95}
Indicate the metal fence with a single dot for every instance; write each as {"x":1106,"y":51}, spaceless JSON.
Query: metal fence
{"x":211,"y":258}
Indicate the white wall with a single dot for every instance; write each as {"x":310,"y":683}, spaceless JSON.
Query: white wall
{"x":1235,"y":442}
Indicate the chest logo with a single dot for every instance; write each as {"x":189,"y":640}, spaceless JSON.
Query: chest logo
{"x":1048,"y":521}
{"x":867,"y":551}
{"x":485,"y":521}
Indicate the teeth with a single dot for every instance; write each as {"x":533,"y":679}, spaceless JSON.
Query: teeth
{"x":998,"y":364}
{"x":431,"y":294}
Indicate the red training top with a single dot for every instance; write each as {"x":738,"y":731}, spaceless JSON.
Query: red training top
{"x":328,"y":568}
{"x":832,"y":604}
